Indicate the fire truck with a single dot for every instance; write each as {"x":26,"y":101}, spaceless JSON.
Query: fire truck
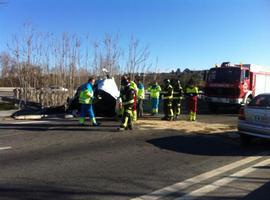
{"x":235,"y":84}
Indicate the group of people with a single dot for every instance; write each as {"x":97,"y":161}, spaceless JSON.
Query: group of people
{"x":132,"y":95}
{"x":173,"y":94}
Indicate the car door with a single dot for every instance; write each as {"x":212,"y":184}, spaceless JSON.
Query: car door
{"x":258,"y":111}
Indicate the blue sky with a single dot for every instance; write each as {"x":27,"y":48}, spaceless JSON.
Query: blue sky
{"x":181,"y":33}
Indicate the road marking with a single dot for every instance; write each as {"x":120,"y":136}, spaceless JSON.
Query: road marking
{"x":5,"y":148}
{"x":12,"y":134}
{"x":222,"y":182}
{"x":197,"y":179}
{"x":25,"y":122}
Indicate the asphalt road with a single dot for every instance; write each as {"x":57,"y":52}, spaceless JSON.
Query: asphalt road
{"x":42,"y":160}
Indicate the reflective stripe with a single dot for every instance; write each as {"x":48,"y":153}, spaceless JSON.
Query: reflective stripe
{"x":128,"y":102}
{"x":168,"y":97}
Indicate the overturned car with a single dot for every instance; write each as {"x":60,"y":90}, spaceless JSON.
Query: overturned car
{"x":106,"y":94}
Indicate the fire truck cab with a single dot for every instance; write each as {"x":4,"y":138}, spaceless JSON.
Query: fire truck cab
{"x":235,"y":84}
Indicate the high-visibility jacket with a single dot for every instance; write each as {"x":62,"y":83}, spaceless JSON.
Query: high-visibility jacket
{"x":168,"y":92}
{"x":154,"y":91}
{"x":86,"y":94}
{"x":127,"y":96}
{"x":177,"y":92}
{"x":192,"y":91}
{"x":133,"y":86}
{"x":141,"y":91}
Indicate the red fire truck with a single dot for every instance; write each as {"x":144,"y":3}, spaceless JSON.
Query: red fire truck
{"x":235,"y":84}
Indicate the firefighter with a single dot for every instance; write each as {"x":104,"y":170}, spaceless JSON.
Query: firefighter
{"x":140,"y":98}
{"x":127,"y":96}
{"x":177,"y":98}
{"x":134,"y":87}
{"x":86,"y":97}
{"x":192,"y":92}
{"x":167,"y":100}
{"x":154,"y":90}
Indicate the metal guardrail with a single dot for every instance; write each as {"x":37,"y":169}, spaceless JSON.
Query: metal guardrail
{"x":7,"y":89}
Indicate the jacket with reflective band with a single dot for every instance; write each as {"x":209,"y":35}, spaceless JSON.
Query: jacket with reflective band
{"x":140,"y":91}
{"x":177,"y":92}
{"x":133,"y":86}
{"x":127,"y":96}
{"x":168,"y":92}
{"x":86,"y":94}
{"x":192,"y":91}
{"x":154,"y":91}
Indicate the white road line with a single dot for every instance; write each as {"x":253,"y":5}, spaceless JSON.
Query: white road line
{"x":26,"y":122}
{"x":197,"y":179}
{"x":12,"y":134}
{"x":5,"y":148}
{"x":222,"y":182}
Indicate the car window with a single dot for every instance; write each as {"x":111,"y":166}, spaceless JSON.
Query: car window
{"x":261,"y":101}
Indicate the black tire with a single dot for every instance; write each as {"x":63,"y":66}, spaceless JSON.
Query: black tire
{"x":245,"y":139}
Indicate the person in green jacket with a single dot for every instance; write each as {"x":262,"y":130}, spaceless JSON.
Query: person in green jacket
{"x":154,"y":90}
{"x":86,"y":101}
{"x":192,"y":92}
{"x":140,"y":98}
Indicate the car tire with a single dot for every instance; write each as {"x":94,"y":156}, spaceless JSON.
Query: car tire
{"x":245,"y":139}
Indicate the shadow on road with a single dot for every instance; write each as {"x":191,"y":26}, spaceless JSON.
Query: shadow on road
{"x":52,"y":192}
{"x":209,"y":145}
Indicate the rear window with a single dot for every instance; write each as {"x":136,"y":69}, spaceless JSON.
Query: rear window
{"x":260,"y":101}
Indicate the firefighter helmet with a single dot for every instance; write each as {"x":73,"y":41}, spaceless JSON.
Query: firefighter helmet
{"x":124,"y":80}
{"x":166,"y":81}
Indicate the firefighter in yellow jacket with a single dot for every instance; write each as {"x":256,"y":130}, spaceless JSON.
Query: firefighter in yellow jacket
{"x":192,"y":92}
{"x":177,"y":98}
{"x":167,"y":100}
{"x":134,"y":87}
{"x":127,"y":96}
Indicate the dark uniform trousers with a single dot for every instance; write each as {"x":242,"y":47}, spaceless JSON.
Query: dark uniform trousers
{"x":127,"y":96}
{"x":167,"y":102}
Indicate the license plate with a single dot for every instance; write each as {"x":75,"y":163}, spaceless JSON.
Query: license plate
{"x":259,"y":118}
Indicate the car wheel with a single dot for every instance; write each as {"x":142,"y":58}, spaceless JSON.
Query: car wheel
{"x":245,"y":139}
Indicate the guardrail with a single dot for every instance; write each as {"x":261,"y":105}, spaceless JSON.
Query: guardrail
{"x":7,"y":89}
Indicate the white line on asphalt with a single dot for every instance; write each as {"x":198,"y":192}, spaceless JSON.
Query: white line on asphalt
{"x":197,"y":179}
{"x":26,"y":122}
{"x":5,"y":148}
{"x":222,"y":182}
{"x":12,"y":134}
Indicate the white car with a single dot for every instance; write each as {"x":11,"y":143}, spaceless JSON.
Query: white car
{"x":254,"y":119}
{"x":57,"y":89}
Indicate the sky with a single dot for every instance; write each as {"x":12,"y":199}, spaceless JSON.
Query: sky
{"x":194,"y":34}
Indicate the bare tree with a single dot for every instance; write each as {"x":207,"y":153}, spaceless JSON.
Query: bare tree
{"x":137,"y":58}
{"x":41,"y":60}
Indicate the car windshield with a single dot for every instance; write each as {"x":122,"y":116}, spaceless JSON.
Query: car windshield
{"x":260,"y":101}
{"x":224,"y":75}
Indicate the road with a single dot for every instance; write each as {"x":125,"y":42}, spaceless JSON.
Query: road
{"x":57,"y":159}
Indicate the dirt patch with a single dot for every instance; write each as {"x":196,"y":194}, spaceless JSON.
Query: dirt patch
{"x":205,"y":124}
